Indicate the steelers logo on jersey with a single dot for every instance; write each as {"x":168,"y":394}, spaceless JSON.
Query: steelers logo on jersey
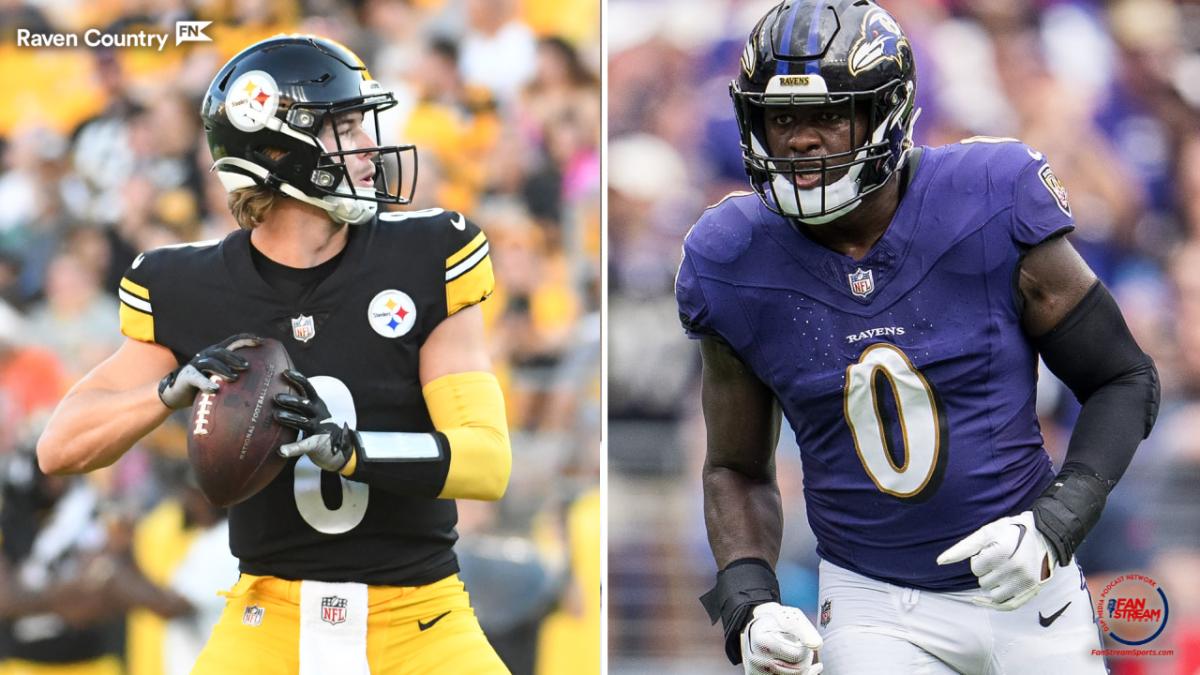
{"x":392,"y":313}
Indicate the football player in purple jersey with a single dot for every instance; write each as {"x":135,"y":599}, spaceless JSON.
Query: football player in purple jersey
{"x":891,"y":302}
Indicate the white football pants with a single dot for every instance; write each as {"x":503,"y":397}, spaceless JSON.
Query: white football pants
{"x":874,"y":628}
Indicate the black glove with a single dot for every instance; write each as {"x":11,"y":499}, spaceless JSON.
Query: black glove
{"x":329,"y":445}
{"x":179,"y":387}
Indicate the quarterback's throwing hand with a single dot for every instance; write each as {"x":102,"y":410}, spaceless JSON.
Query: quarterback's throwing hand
{"x":1009,"y":556}
{"x":180,"y":386}
{"x":780,"y":639}
{"x":328,"y":444}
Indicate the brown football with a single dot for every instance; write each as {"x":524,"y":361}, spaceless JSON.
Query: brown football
{"x":232,"y":440}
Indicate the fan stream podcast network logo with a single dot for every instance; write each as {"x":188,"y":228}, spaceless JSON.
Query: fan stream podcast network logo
{"x":1132,"y":609}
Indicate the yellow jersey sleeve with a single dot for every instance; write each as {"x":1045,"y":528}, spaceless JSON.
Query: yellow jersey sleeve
{"x":137,"y":312}
{"x":469,"y":278}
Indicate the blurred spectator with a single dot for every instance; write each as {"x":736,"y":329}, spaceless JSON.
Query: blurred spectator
{"x":77,"y":319}
{"x":561,"y":86}
{"x":182,"y":544}
{"x":533,"y":310}
{"x":63,"y":579}
{"x":452,"y":125}
{"x":570,"y":637}
{"x":103,"y":154}
{"x":31,"y":381}
{"x":498,"y":50}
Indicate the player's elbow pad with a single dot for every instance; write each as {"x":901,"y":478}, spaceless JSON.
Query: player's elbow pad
{"x":468,"y":409}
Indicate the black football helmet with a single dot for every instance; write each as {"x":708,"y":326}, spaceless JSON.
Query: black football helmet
{"x":265,"y":109}
{"x":826,"y":52}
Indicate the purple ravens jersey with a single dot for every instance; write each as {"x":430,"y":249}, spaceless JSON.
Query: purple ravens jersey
{"x":905,"y":375}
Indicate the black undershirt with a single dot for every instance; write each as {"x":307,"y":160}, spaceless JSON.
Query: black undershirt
{"x":294,"y":284}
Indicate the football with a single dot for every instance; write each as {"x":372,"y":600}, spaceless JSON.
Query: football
{"x":232,"y":439}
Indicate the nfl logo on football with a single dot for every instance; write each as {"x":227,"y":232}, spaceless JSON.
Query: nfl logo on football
{"x":862,"y":283}
{"x":333,"y":609}
{"x":303,"y":328}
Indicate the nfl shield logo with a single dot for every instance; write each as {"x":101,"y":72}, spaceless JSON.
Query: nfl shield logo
{"x":826,"y":612}
{"x":253,"y":616}
{"x":333,"y":609}
{"x":303,"y":328}
{"x":862,"y":283}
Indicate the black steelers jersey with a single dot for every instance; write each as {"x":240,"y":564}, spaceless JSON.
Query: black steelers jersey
{"x":357,"y":337}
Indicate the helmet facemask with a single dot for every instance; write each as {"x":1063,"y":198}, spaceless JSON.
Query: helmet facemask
{"x":395,"y":166}
{"x":847,"y":177}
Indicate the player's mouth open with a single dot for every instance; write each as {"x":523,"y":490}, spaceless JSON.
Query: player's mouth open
{"x":367,"y":180}
{"x":806,"y":179}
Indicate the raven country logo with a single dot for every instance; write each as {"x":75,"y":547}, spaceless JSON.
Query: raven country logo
{"x":1132,"y":609}
{"x":157,"y":38}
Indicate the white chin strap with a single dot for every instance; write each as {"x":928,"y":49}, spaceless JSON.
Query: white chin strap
{"x":835,"y":200}
{"x":348,"y":210}
{"x":341,"y":209}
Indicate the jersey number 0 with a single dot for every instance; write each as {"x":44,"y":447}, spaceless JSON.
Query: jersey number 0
{"x":921,"y":420}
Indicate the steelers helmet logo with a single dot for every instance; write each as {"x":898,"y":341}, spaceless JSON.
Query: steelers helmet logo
{"x":252,"y":100}
{"x":392,"y":313}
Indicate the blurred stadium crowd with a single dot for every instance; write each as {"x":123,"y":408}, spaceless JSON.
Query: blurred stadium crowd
{"x":1108,"y":90}
{"x":103,"y":156}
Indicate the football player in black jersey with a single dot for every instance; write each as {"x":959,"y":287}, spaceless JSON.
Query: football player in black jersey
{"x":347,"y":557}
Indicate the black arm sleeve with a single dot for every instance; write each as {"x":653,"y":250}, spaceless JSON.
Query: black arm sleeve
{"x":1094,"y":354}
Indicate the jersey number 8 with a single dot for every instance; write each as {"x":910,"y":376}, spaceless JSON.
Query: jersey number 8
{"x":307,"y":485}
